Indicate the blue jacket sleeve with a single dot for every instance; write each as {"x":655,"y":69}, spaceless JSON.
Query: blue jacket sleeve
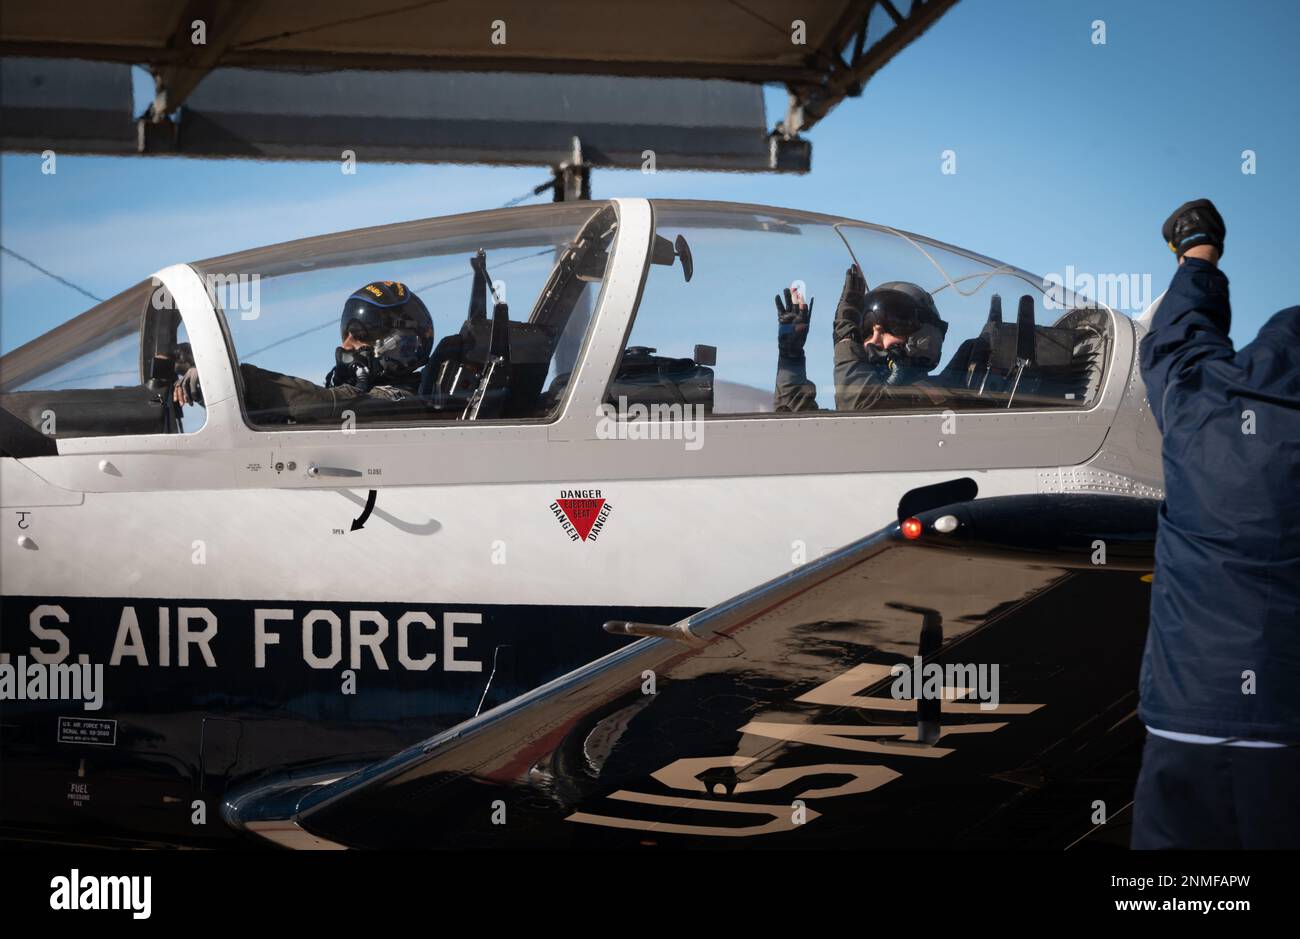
{"x":1189,"y":330}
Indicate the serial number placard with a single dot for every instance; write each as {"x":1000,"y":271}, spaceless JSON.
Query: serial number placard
{"x":100,"y":733}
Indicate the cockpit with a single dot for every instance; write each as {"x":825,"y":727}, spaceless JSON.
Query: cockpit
{"x":488,"y":361}
{"x":712,"y":338}
{"x":514,"y":296}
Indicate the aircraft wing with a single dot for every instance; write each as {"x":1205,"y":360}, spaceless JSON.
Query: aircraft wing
{"x":777,"y":717}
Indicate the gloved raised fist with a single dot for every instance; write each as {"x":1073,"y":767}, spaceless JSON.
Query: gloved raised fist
{"x":855,"y":289}
{"x":792,"y":318}
{"x":848,"y":315}
{"x":1194,"y":223}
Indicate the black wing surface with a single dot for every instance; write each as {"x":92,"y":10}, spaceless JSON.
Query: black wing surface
{"x":779,"y":718}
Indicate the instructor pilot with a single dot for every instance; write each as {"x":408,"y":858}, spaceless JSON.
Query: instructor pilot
{"x":887,"y":341}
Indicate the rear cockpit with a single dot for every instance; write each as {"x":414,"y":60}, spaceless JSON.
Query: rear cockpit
{"x":712,"y":340}
{"x":514,"y":295}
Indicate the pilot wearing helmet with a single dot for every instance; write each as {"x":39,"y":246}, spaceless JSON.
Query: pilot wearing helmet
{"x":887,"y":341}
{"x":386,"y":336}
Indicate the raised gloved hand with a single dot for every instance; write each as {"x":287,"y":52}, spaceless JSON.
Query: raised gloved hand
{"x":848,"y":315}
{"x":792,"y":318}
{"x":187,"y":390}
{"x":1194,"y":223}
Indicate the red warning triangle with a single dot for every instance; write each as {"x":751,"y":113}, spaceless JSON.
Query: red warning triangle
{"x":582,"y":513}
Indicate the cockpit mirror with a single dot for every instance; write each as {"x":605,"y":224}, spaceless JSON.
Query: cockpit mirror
{"x":706,"y":355}
{"x":665,"y":252}
{"x":684,"y":255}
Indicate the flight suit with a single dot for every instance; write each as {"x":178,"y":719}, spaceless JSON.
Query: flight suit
{"x":271,"y":397}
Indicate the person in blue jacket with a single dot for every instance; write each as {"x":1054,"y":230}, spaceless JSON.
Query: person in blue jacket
{"x":1220,"y":680}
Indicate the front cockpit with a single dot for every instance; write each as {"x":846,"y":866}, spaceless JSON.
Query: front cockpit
{"x":514,"y":297}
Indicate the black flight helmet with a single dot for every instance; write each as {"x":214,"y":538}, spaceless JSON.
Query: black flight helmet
{"x":396,"y":325}
{"x":900,"y":308}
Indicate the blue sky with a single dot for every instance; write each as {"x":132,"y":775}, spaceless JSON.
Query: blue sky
{"x":1068,"y":153}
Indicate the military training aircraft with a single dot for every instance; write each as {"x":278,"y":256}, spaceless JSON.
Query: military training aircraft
{"x":589,"y":583}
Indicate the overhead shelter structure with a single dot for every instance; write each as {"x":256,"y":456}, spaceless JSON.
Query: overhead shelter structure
{"x":446,"y":80}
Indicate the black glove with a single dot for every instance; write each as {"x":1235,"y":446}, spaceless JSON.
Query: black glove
{"x":848,"y":315}
{"x":389,"y":393}
{"x":190,"y":391}
{"x":792,"y":324}
{"x":1192,"y":224}
{"x":854,"y":294}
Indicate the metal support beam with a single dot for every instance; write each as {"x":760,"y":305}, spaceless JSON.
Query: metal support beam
{"x":189,"y":63}
{"x":260,"y":58}
{"x":809,"y":103}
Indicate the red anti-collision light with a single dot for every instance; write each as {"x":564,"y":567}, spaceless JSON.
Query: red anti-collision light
{"x":911,"y":529}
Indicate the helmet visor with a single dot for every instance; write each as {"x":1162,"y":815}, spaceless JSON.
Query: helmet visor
{"x":894,"y":311}
{"x":363,"y":323}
